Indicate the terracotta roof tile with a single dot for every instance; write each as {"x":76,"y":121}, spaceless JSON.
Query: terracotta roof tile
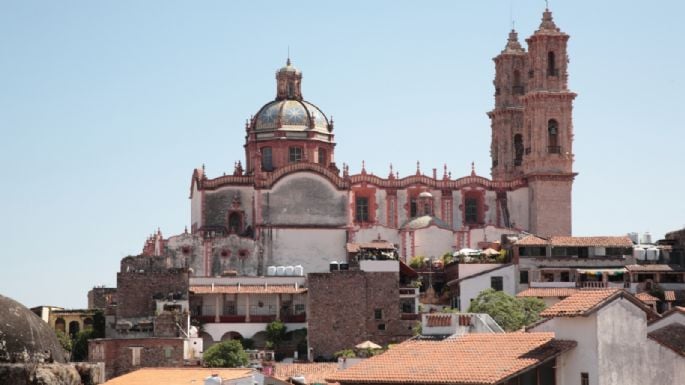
{"x":437,"y":320}
{"x":654,"y":268}
{"x":603,"y":241}
{"x":671,"y":336}
{"x":176,"y":376}
{"x":547,"y":292}
{"x":580,"y":303}
{"x":532,"y":240}
{"x":471,"y":359}
{"x":669,"y":295}
{"x":247,"y":289}
{"x":622,"y":241}
{"x":313,"y":372}
{"x":646,"y":297}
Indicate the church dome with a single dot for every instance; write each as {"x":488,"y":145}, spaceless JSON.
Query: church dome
{"x":291,"y":115}
{"x":24,"y":337}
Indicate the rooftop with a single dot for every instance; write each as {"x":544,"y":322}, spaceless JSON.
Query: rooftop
{"x":547,"y":292}
{"x":248,"y":289}
{"x":601,"y":241}
{"x":483,"y":359}
{"x":586,"y":301}
{"x":655,"y":268}
{"x":671,"y":336}
{"x":312,"y":372}
{"x":176,"y":376}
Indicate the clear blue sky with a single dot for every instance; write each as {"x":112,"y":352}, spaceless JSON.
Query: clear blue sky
{"x":107,"y":106}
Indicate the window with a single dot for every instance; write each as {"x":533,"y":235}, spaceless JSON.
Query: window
{"x":413,"y":208}
{"x":523,"y":276}
{"x":553,"y":137}
{"x":135,"y":355}
{"x":267,"y":159}
{"x":299,"y":308}
{"x":584,"y":379}
{"x":378,"y":314}
{"x":234,"y":223}
{"x":518,"y":149}
{"x":517,"y":88}
{"x":361,"y":212}
{"x":547,"y":277}
{"x":295,"y":154}
{"x":381,"y":326}
{"x":551,"y":65}
{"x":323,"y":157}
{"x":565,"y":276}
{"x":167,"y":351}
{"x":496,"y":283}
{"x":230,"y":308}
{"x":471,"y":210}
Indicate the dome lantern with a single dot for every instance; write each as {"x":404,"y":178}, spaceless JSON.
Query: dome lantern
{"x":288,"y":83}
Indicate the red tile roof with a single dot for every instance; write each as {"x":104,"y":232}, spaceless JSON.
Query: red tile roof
{"x":376,"y":245}
{"x":547,"y":292}
{"x":531,"y":240}
{"x":312,"y":373}
{"x":646,"y":297}
{"x":471,"y":359}
{"x":654,"y":268}
{"x":671,"y":336}
{"x":437,"y":320}
{"x":622,"y":241}
{"x":176,"y":376}
{"x":581,"y":303}
{"x":247,"y":289}
{"x":669,"y":295}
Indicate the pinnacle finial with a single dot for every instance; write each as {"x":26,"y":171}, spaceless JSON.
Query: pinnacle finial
{"x":513,"y":45}
{"x":418,"y":168}
{"x":473,"y":168}
{"x":547,"y":20}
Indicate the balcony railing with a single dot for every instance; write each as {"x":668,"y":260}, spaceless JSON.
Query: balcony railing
{"x":410,"y":316}
{"x":554,"y":149}
{"x":296,"y":318}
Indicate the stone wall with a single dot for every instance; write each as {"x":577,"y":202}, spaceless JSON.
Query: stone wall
{"x":137,"y":290}
{"x":101,"y":297}
{"x":118,"y":354}
{"x":342,"y":310}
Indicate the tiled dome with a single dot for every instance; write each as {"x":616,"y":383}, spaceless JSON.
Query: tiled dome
{"x":291,"y":115}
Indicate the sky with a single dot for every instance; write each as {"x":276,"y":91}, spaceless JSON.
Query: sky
{"x":106,"y":107}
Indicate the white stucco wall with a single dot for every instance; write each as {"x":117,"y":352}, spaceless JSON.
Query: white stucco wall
{"x":469,"y":269}
{"x":195,"y":208}
{"x":582,"y":358}
{"x":370,"y":234}
{"x":247,"y":330}
{"x":433,"y":241}
{"x":491,"y":212}
{"x":312,"y":248}
{"x":470,"y":288}
{"x":456,"y":211}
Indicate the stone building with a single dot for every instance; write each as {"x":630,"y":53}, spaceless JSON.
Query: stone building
{"x":289,"y":202}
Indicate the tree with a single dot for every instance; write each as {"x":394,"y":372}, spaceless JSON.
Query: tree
{"x":275,"y":331}
{"x":64,"y":340}
{"x":509,"y":312}
{"x":226,"y":354}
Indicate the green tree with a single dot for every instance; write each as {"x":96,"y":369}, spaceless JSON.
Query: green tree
{"x":275,"y":331}
{"x":509,"y":312}
{"x":64,"y":340}
{"x":226,"y":354}
{"x":79,"y":349}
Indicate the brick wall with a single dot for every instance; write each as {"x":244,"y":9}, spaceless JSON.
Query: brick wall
{"x":101,"y":297}
{"x":117,"y":354}
{"x":342,"y":310}
{"x":136,"y":291}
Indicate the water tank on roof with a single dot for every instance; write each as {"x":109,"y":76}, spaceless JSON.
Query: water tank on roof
{"x":334,"y":266}
{"x":271,"y":270}
{"x":647,"y":238}
{"x":639,"y":253}
{"x":280,"y":270}
{"x":299,"y":270}
{"x":289,"y":270}
{"x":634,"y":237}
{"x":652,"y":254}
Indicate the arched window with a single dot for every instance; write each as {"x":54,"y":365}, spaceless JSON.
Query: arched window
{"x":551,"y":65}
{"x":74,"y":328}
{"x":323,"y":157}
{"x":60,"y":325}
{"x":267,"y":159}
{"x":553,"y":137}
{"x":517,"y":88}
{"x":518,"y":149}
{"x":234,"y":223}
{"x":471,"y":210}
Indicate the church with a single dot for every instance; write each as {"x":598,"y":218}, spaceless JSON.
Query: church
{"x":288,"y":203}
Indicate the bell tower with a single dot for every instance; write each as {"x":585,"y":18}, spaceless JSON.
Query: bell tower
{"x":506,"y":146}
{"x":547,"y":162}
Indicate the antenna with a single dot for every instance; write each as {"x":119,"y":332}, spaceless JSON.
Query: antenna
{"x":546,"y":4}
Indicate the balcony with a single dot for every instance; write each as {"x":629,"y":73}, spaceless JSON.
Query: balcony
{"x":554,"y":149}
{"x":295,"y":318}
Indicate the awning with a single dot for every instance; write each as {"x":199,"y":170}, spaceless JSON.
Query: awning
{"x":614,"y":271}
